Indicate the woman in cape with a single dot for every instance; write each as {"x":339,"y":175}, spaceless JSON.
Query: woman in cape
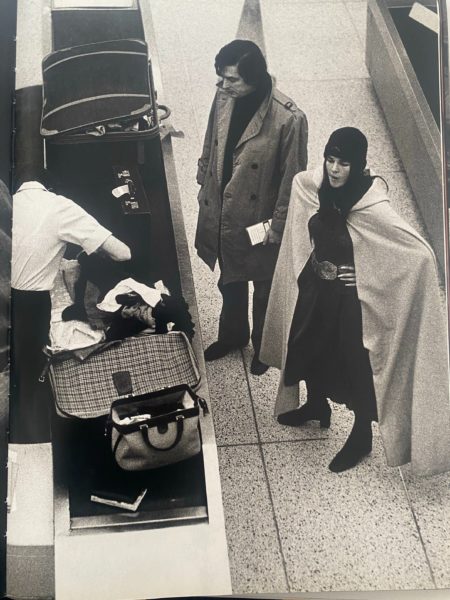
{"x":355,"y":312}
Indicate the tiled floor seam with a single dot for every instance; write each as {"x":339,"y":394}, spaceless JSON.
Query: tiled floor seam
{"x":269,"y":442}
{"x":331,"y":79}
{"x":191,"y":85}
{"x":167,"y":84}
{"x":358,"y":35}
{"x":419,"y":532}
{"x":314,"y":2}
{"x":269,"y":491}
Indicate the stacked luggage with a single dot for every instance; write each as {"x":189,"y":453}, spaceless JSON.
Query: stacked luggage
{"x":99,"y":93}
{"x":146,"y":384}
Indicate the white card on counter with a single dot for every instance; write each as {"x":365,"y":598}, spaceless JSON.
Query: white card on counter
{"x":121,"y":190}
{"x":257,"y":232}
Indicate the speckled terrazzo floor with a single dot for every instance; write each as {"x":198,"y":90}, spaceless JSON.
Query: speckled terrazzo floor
{"x":291,"y":524}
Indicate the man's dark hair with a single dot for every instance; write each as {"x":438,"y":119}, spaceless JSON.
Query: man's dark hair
{"x":38,"y":173}
{"x":248,"y":58}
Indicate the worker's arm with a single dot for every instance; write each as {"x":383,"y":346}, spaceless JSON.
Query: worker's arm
{"x":115,"y":249}
{"x":79,"y":227}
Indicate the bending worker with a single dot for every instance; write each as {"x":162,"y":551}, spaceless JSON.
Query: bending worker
{"x":43,"y":224}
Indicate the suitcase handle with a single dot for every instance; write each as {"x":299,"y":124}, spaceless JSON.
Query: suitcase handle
{"x":166,"y":114}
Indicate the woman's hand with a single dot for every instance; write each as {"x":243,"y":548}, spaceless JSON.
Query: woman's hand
{"x":272,"y":237}
{"x":347,"y":275}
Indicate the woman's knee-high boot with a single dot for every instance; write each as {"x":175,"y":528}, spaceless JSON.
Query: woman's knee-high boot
{"x":357,"y":446}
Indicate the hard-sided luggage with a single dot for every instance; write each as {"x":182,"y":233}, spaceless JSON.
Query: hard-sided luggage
{"x":86,"y":389}
{"x":102,"y":91}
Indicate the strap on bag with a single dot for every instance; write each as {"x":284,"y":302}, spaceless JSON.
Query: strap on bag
{"x":116,"y":445}
{"x":147,"y":441}
{"x":144,"y":432}
{"x":43,"y":376}
{"x":124,"y":387}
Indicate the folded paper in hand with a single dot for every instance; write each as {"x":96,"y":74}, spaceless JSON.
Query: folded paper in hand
{"x":257,"y":232}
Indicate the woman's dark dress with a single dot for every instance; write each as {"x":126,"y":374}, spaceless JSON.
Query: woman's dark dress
{"x":325,"y":345}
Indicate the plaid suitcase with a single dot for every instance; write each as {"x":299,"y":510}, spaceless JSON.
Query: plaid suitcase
{"x":153,"y":362}
{"x":90,"y":87}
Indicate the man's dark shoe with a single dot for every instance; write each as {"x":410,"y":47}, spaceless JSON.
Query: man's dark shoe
{"x":257,"y":367}
{"x":317,"y":409}
{"x":218,"y":350}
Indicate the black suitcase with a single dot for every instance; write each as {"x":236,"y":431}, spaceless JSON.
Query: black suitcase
{"x":99,"y":92}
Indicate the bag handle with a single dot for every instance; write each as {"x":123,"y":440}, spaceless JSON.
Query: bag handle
{"x":144,"y":432}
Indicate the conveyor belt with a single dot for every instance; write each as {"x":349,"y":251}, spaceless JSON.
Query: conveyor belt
{"x":84,"y":464}
{"x":84,"y":173}
{"x":421,"y":44}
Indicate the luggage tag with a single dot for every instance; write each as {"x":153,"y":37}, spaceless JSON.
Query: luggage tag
{"x":130,"y":191}
{"x":124,"y":389}
{"x":122,"y":383}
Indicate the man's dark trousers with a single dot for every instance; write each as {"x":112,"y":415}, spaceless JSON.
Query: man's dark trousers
{"x":234,"y":330}
{"x":29,"y":401}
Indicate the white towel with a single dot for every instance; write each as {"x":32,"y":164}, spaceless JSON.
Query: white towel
{"x":151,"y":296}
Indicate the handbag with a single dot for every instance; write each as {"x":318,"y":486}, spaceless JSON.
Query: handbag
{"x":156,"y":429}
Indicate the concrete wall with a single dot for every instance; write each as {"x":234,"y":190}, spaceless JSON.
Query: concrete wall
{"x":409,"y":117}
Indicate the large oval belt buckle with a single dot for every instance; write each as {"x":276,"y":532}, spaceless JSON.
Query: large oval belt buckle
{"x":327,"y":270}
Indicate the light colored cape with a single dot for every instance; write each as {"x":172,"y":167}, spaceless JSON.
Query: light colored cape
{"x":404,"y":322}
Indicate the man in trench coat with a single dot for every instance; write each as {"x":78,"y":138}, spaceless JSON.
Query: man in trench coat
{"x":256,"y":141}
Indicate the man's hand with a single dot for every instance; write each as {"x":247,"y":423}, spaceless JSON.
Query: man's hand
{"x":272,"y":237}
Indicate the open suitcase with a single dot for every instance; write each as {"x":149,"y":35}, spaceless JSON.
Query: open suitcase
{"x":99,"y":92}
{"x":145,"y":384}
{"x":86,"y":389}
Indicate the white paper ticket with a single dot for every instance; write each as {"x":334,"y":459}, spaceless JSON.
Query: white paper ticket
{"x":257,"y":232}
{"x":121,"y":190}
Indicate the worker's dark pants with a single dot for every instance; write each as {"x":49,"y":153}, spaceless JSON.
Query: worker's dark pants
{"x":234,"y":328}
{"x":29,"y":400}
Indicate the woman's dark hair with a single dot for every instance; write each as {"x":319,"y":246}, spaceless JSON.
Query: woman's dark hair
{"x":248,"y":58}
{"x":350,"y":144}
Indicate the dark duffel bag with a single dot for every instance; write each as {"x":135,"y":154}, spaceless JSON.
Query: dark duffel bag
{"x":99,"y":92}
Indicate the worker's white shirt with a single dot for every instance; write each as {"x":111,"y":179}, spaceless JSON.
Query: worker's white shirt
{"x":43,"y":223}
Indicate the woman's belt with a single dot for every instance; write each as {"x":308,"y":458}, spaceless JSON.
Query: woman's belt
{"x":325,"y":269}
